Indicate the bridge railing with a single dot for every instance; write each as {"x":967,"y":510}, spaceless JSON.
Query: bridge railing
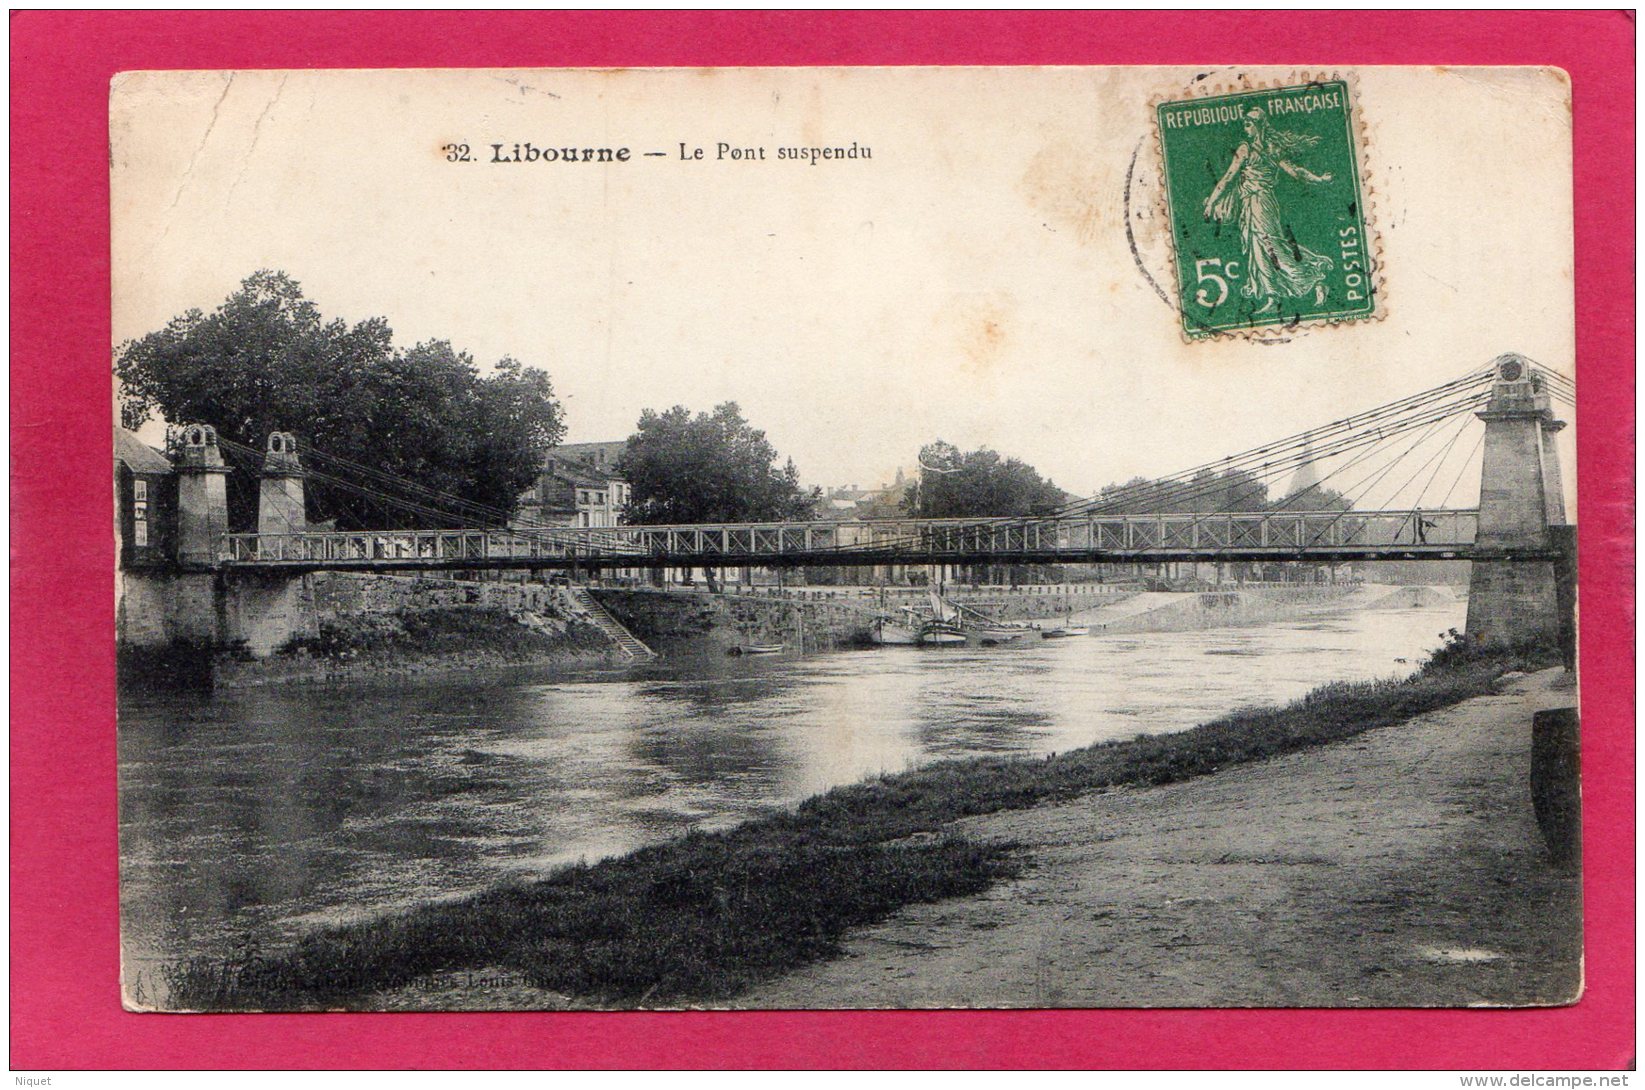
{"x":913,"y":541}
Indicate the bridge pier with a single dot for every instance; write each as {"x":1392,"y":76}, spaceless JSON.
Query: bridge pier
{"x":1521,"y":496}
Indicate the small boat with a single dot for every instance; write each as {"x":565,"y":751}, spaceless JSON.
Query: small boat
{"x":940,"y":634}
{"x":1068,"y":628}
{"x":986,"y":631}
{"x":944,"y":627}
{"x":890,"y":633}
{"x":1065,"y":631}
{"x":757,"y":649}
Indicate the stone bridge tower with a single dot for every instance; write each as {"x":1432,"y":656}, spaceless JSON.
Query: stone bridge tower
{"x":1521,"y":508}
{"x":280,"y":507}
{"x":202,"y":496}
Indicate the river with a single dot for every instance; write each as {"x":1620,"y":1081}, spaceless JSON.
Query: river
{"x":247,"y":815}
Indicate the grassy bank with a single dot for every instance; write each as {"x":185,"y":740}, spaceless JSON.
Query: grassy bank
{"x":702,"y":918}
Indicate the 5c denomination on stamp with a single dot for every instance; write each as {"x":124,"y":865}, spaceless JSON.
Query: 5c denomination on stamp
{"x":1264,"y":189}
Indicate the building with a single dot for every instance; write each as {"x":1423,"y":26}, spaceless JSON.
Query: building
{"x":866,"y":503}
{"x":578,"y":487}
{"x":145,"y":497}
{"x":841,"y":503}
{"x":601,"y":456}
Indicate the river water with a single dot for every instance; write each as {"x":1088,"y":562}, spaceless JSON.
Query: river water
{"x":248,"y":815}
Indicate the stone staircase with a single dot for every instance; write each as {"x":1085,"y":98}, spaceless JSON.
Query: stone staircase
{"x":597,"y":616}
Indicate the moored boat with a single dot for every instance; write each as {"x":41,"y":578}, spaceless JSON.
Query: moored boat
{"x":944,"y":627}
{"x":889,"y":633}
{"x":1065,"y":631}
{"x":985,"y":631}
{"x":757,"y":649}
{"x":1067,"y":628}
{"x":941,"y":634}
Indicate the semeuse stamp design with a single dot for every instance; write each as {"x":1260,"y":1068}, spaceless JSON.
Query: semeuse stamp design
{"x":1264,"y":191}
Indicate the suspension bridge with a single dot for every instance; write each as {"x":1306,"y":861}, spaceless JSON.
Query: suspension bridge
{"x":1375,"y":485}
{"x":1406,"y":534}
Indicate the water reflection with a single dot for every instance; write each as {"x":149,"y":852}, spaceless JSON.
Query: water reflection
{"x":261,"y":811}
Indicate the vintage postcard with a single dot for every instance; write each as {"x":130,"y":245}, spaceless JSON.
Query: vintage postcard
{"x":845,"y":538}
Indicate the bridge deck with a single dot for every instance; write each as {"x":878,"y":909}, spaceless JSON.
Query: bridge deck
{"x":1321,"y":536}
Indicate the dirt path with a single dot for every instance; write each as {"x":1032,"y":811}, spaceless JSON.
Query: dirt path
{"x":1402,"y":868}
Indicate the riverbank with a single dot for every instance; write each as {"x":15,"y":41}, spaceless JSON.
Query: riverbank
{"x":1401,"y":868}
{"x":707,"y":918}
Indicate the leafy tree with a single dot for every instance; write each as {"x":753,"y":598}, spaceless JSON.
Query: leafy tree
{"x":1318,"y":498}
{"x":1231,"y":490}
{"x":1210,"y":491}
{"x":1138,"y":496}
{"x":711,"y":467}
{"x":978,"y":484}
{"x":265,"y":360}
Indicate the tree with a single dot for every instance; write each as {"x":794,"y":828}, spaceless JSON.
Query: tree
{"x":265,"y":360}
{"x":979,"y":484}
{"x":1232,"y":491}
{"x":1314,"y":498}
{"x":1236,"y":491}
{"x":711,"y":467}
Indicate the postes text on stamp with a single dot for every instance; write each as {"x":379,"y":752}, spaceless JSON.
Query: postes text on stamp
{"x":1268,"y":217}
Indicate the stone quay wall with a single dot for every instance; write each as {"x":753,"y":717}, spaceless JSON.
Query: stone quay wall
{"x":664,"y":618}
{"x":259,"y":614}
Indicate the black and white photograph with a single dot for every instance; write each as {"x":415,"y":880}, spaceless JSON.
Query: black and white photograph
{"x":825,"y":538}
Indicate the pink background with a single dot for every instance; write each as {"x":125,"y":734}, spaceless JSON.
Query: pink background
{"x":65,"y":994}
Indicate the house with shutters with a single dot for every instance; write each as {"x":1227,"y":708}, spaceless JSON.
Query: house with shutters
{"x":145,"y":498}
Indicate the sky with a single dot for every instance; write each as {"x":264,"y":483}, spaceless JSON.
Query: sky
{"x":971,"y":279}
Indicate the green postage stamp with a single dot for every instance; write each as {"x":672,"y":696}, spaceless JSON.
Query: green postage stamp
{"x":1264,"y":190}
